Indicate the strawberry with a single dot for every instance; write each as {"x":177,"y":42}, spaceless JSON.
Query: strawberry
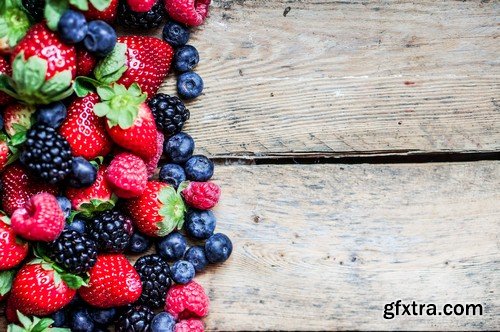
{"x":86,"y":62}
{"x":106,"y":13}
{"x":158,"y":211}
{"x":127,"y":175}
{"x":18,"y":118}
{"x":10,"y":311}
{"x":189,"y":12}
{"x":142,"y":59}
{"x":38,"y":289}
{"x":141,"y":6}
{"x":7,"y":70}
{"x":43,"y":68}
{"x":6,"y":278}
{"x":14,"y":24}
{"x":152,"y":163}
{"x":113,"y":282}
{"x":12,"y":250}
{"x":85,"y":131}
{"x":130,"y":122}
{"x":96,"y":198}
{"x":201,"y":195}
{"x":18,"y":187}
{"x":4,"y":153}
{"x":41,"y":219}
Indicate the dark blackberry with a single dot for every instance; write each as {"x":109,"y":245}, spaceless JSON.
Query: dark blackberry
{"x":35,"y":8}
{"x":47,"y":154}
{"x":147,"y":20}
{"x":137,"y":318}
{"x":155,"y":276}
{"x":111,"y":230}
{"x":169,"y":112}
{"x":74,"y":252}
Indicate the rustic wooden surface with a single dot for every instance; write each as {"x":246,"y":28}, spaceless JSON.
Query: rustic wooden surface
{"x":324,"y":247}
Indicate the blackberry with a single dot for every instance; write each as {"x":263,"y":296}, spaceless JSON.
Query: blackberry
{"x":35,"y":8}
{"x":155,"y":276}
{"x":137,"y":318}
{"x":147,"y":20}
{"x":169,"y":112}
{"x":74,"y":252}
{"x":47,"y":154}
{"x":111,"y":230}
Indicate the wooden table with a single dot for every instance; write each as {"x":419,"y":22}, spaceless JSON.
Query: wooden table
{"x":327,"y":119}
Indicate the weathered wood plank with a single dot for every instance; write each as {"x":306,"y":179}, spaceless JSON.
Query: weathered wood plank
{"x":344,"y":78}
{"x":324,"y":247}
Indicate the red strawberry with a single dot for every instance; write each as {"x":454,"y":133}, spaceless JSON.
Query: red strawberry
{"x":137,"y":59}
{"x":39,"y":290}
{"x":55,"y":63}
{"x":17,"y":115}
{"x":41,"y":219}
{"x":189,"y":300}
{"x":127,"y":175}
{"x":189,"y":12}
{"x":158,"y":211}
{"x":130,"y":122}
{"x":12,"y":251}
{"x":97,"y":197}
{"x":86,"y":62}
{"x":107,"y":14}
{"x":201,"y":195}
{"x":190,"y":325}
{"x":85,"y":131}
{"x":18,"y":187}
{"x":113,"y":282}
{"x":11,"y":311}
{"x":152,"y":163}
{"x":4,"y":154}
{"x":141,"y":6}
{"x":7,"y":70}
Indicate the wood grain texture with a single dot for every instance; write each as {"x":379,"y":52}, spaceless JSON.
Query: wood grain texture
{"x":324,"y":247}
{"x":347,"y":78}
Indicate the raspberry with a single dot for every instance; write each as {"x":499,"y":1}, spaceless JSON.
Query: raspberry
{"x":128,"y":175}
{"x":189,"y":12}
{"x":190,"y":325}
{"x":189,"y":300}
{"x":201,"y":195}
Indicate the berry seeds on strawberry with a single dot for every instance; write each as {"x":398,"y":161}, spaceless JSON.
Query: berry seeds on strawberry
{"x":12,"y":250}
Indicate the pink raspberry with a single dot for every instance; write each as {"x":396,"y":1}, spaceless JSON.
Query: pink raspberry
{"x":201,"y":195}
{"x":189,"y":12}
{"x":127,"y":174}
{"x":189,"y":300}
{"x":190,"y":325}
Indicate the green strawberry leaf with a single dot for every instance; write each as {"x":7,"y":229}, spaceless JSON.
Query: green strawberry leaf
{"x":80,"y":4}
{"x":57,"y":84}
{"x":14,"y":24}
{"x":6,"y":278}
{"x":42,"y":325}
{"x":5,"y":218}
{"x":100,"y":5}
{"x":84,"y":85}
{"x":74,"y":281}
{"x":105,"y":92}
{"x":172,"y":211}
{"x":96,"y":206}
{"x":24,"y":320}
{"x":53,"y":12}
{"x":112,"y":67}
{"x":101,"y":109}
{"x":15,"y":328}
{"x":7,"y":85}
{"x":34,"y":73}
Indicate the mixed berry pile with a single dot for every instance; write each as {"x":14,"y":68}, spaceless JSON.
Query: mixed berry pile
{"x":94,"y":166}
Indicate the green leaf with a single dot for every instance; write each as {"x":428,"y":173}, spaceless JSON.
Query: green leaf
{"x":73,"y":281}
{"x":7,"y":85}
{"x":84,"y":85}
{"x":172,"y":211}
{"x":80,"y":4}
{"x":100,"y":5}
{"x":120,"y":89}
{"x":5,"y":218}
{"x":105,"y":92}
{"x":18,"y":70}
{"x":112,"y":67}
{"x":15,"y":328}
{"x":24,"y":320}
{"x":135,"y":90}
{"x":6,"y":278}
{"x":34,"y":73}
{"x":126,"y":120}
{"x":53,"y":12}
{"x":58,"y":83}
{"x":101,"y":109}
{"x":42,"y":325}
{"x":14,"y":24}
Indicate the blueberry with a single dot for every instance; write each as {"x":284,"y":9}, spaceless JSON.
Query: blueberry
{"x":59,"y":318}
{"x":175,"y":34}
{"x":65,"y":205}
{"x":83,"y":174}
{"x":102,"y":316}
{"x":199,"y":168}
{"x":179,"y":148}
{"x":200,"y":224}
{"x":173,"y":174}
{"x":173,"y":246}
{"x":189,"y":85}
{"x":100,"y":39}
{"x":182,"y":272}
{"x":139,"y":243}
{"x":81,"y":321}
{"x":218,"y":248}
{"x":186,"y":58}
{"x":72,"y":27}
{"x":78,"y":225}
{"x":1,"y":122}
{"x":196,"y":256}
{"x":163,"y":322}
{"x":52,"y":115}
